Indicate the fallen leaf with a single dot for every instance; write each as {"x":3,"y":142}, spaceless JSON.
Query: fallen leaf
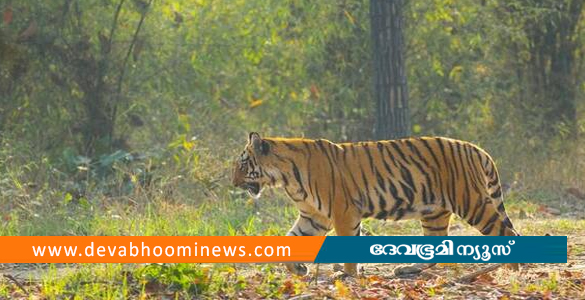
{"x":485,"y":279}
{"x":287,"y":287}
{"x":341,"y":288}
{"x":445,"y":264}
{"x":255,"y":103}
{"x":375,"y":278}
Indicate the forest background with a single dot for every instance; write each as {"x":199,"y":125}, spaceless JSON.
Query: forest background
{"x":123,"y":117}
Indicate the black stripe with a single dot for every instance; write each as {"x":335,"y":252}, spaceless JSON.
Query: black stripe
{"x":309,"y":156}
{"x":397,"y":148}
{"x":272,"y":179}
{"x":366,"y":190}
{"x":381,"y":182}
{"x":508,"y":223}
{"x":414,"y":149}
{"x":426,"y":143}
{"x":284,"y":180}
{"x":346,"y":193}
{"x":399,"y":214}
{"x":490,"y":224}
{"x":318,"y":197}
{"x":384,"y":162}
{"x":369,"y":155}
{"x":314,"y":224}
{"x":356,"y":187}
{"x":383,"y":215}
{"x":407,"y":192}
{"x":450,"y":144}
{"x":398,"y":201}
{"x":291,"y":146}
{"x":382,"y":202}
{"x":476,"y":216}
{"x":370,"y":203}
{"x":497,"y":193}
{"x":437,"y":216}
{"x":447,"y":166}
{"x":466,"y":195}
{"x":502,"y":230}
{"x":405,"y":173}
{"x":332,"y":183}
{"x":501,"y":208}
{"x":357,"y":203}
{"x":302,"y":232}
{"x":476,"y":177}
{"x":453,"y":176}
{"x":297,"y":175}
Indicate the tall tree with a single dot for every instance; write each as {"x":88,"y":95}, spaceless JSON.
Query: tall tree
{"x":547,"y":59}
{"x":391,"y":92}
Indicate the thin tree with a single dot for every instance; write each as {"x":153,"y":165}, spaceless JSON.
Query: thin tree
{"x":391,"y":92}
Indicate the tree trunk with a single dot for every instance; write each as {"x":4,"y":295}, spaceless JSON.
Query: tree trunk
{"x":551,"y":74}
{"x":390,"y":89}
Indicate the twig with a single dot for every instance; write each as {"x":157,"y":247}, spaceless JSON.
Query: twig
{"x":470,"y":277}
{"x":18,"y":284}
{"x":115,"y":23}
{"x":316,"y":274}
{"x":125,"y":63}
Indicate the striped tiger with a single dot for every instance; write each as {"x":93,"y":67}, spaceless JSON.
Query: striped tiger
{"x":336,"y":185}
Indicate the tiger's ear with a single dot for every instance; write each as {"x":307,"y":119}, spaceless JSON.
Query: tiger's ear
{"x":259,"y":145}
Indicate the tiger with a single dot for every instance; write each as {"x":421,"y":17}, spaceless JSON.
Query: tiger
{"x":337,"y":185}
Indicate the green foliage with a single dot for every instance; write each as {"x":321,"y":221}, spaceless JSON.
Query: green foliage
{"x":135,"y":104}
{"x":176,"y":277}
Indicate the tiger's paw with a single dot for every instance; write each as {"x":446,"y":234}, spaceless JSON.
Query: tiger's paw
{"x":297,"y":269}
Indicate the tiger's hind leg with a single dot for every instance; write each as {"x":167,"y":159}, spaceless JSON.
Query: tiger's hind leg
{"x":434,"y":225}
{"x":490,"y":218}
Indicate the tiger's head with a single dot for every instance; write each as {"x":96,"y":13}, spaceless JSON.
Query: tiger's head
{"x":248,"y":173}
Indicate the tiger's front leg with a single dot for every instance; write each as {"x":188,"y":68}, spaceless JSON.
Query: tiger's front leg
{"x":307,"y":225}
{"x":348,"y":223}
